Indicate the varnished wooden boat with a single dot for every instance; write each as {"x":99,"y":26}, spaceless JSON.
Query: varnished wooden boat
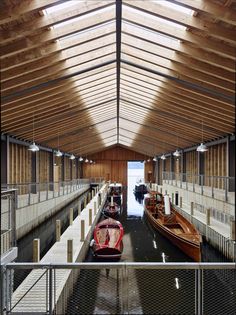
{"x":111,"y":210}
{"x":108,"y":236}
{"x":173,"y":226}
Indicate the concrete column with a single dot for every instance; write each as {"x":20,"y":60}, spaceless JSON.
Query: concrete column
{"x":71,"y":216}
{"x":36,"y":250}
{"x":69,"y":251}
{"x":58,"y":230}
{"x":208,"y":216}
{"x":233,"y":230}
{"x":82,"y":231}
{"x":5,"y":161}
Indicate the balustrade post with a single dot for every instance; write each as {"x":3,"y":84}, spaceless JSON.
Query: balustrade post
{"x":82,"y":230}
{"x":70,"y":251}
{"x":71,"y":215}
{"x":36,"y":250}
{"x":90,"y":216}
{"x":58,"y":230}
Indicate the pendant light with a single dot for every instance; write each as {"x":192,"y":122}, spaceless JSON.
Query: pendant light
{"x":81,"y":159}
{"x":33,"y":147}
{"x":86,"y":161}
{"x":202,"y":147}
{"x":163,"y":157}
{"x":58,"y":152}
{"x":177,"y":153}
{"x":72,"y":157}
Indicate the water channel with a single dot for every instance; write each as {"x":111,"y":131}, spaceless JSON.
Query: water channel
{"x":141,"y":244}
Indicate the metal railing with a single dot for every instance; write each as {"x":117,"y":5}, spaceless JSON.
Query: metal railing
{"x":8,"y":220}
{"x":217,"y":187}
{"x":32,"y":193}
{"x":124,"y":288}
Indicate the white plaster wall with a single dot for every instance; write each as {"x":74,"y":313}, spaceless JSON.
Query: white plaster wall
{"x":31,"y":216}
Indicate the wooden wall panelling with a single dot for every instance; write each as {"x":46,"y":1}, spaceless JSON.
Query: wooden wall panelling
{"x":149,"y":172}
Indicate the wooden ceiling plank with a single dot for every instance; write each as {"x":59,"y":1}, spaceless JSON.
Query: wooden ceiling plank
{"x":178,"y":99}
{"x":14,"y":32}
{"x":154,"y":25}
{"x":154,"y":79}
{"x":183,"y":48}
{"x":177,"y":57}
{"x":85,"y":67}
{"x":176,"y":71}
{"x":181,"y":18}
{"x":55,"y":59}
{"x":50,"y":35}
{"x":10,"y":12}
{"x":224,"y":14}
{"x":64,"y":67}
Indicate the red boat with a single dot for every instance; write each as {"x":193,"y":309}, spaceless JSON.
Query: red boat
{"x":111,"y":210}
{"x":108,"y":236}
{"x":173,"y":225}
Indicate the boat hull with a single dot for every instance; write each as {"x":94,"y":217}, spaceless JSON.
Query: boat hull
{"x":173,"y":226}
{"x":108,"y":236}
{"x":190,"y":249}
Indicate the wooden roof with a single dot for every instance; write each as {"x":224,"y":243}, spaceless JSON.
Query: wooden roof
{"x":142,"y":74}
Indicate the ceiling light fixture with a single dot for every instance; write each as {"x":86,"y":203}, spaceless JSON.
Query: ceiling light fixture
{"x":33,"y":147}
{"x":163,"y":157}
{"x":86,"y":161}
{"x":58,"y":153}
{"x":81,"y":159}
{"x":72,"y":157}
{"x":177,"y":153}
{"x":202,"y":147}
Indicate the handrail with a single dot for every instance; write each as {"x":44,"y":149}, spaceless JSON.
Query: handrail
{"x":135,"y":265}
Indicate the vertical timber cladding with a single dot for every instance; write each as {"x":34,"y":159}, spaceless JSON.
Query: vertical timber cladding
{"x":215,"y":164}
{"x":112,"y":164}
{"x":191,"y":164}
{"x":19,"y":164}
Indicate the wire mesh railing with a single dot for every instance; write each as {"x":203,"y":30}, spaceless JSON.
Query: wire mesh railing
{"x":217,"y":187}
{"x":124,"y":288}
{"x":8,"y":220}
{"x":32,"y":193}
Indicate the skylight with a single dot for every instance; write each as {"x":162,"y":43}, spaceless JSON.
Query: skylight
{"x":174,"y":6}
{"x":64,"y":5}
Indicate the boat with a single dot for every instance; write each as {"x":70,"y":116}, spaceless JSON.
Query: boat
{"x":115,"y":191}
{"x":171,"y":224}
{"x":107,"y":242}
{"x":111,"y":209}
{"x":140,"y":187}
